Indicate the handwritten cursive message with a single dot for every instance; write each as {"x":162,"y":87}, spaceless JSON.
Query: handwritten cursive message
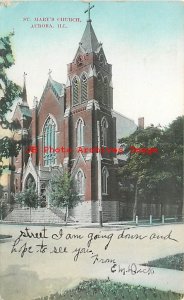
{"x":95,"y":246}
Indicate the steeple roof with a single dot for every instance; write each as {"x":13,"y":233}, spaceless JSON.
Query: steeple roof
{"x":58,"y":87}
{"x":89,"y":40}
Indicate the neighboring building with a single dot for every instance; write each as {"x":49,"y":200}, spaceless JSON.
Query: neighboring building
{"x":124,"y":126}
{"x":66,"y":116}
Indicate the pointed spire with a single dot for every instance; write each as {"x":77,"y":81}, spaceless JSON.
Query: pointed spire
{"x":89,"y":40}
{"x":24,"y":93}
{"x":68,"y":83}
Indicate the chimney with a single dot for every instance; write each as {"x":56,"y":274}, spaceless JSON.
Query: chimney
{"x":141,"y":123}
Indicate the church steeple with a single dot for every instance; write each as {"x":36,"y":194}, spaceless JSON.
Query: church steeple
{"x":89,"y":40}
{"x":24,"y":93}
{"x":89,"y":74}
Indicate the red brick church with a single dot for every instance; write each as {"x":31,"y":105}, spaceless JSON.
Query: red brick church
{"x":71,"y":116}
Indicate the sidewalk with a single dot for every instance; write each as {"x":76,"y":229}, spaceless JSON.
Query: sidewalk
{"x":59,"y":271}
{"x":162,"y":279}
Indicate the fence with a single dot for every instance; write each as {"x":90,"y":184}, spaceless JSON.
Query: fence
{"x":163,"y":220}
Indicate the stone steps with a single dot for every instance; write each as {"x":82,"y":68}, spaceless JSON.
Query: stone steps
{"x":38,"y":215}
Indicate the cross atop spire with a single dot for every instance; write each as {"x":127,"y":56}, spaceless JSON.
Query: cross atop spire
{"x":88,"y":10}
{"x":24,"y":75}
{"x":49,"y":73}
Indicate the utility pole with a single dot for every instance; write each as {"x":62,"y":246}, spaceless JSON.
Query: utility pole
{"x":99,"y":177}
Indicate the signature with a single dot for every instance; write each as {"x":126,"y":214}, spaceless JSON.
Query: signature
{"x":132,"y":269}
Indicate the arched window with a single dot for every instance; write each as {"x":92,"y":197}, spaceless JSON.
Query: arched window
{"x":104,"y":125}
{"x":75,"y":90}
{"x":106,"y":91}
{"x":100,"y":87}
{"x":101,"y":59}
{"x":84,"y":87}
{"x":80,"y":133}
{"x":99,"y":77}
{"x":105,"y":175}
{"x":80,"y":182}
{"x":30,"y":181}
{"x":49,"y":142}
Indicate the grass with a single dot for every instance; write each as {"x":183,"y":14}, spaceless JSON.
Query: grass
{"x":107,"y":290}
{"x":5,"y":236}
{"x":174,"y":262}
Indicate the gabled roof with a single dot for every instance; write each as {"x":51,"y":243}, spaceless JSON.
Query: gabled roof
{"x":23,"y":109}
{"x":89,"y":40}
{"x":80,"y":157}
{"x":58,"y":87}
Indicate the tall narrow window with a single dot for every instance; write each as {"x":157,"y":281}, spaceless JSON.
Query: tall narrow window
{"x":80,"y":133}
{"x":75,"y":90}
{"x":104,"y":125}
{"x":105,"y":175}
{"x":100,"y":87}
{"x":49,"y":142}
{"x":16,"y":185}
{"x":99,"y":77}
{"x":84,"y":87}
{"x":106,"y":91}
{"x":80,"y":182}
{"x":101,"y":59}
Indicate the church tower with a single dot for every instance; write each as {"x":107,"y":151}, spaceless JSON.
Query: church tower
{"x":89,"y":101}
{"x":22,"y":115}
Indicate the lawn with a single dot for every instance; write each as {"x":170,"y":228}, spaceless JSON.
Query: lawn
{"x":108,"y":290}
{"x":174,"y":262}
{"x":4,"y":236}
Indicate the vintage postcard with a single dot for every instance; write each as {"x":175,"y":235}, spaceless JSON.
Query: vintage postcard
{"x":91,"y":150}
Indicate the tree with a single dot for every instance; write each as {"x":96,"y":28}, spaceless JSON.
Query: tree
{"x":1,"y":191}
{"x":29,"y":197}
{"x":156,"y":178}
{"x":174,"y":160}
{"x":1,"y":202}
{"x":9,"y":92}
{"x":63,"y":192}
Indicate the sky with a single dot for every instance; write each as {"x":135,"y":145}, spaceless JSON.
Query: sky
{"x":144,"y":42}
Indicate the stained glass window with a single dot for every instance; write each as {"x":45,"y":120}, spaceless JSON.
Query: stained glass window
{"x":75,"y":90}
{"x":84,"y":93}
{"x":49,"y":140}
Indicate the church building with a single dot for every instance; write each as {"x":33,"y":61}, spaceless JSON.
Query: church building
{"x":66,"y":120}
